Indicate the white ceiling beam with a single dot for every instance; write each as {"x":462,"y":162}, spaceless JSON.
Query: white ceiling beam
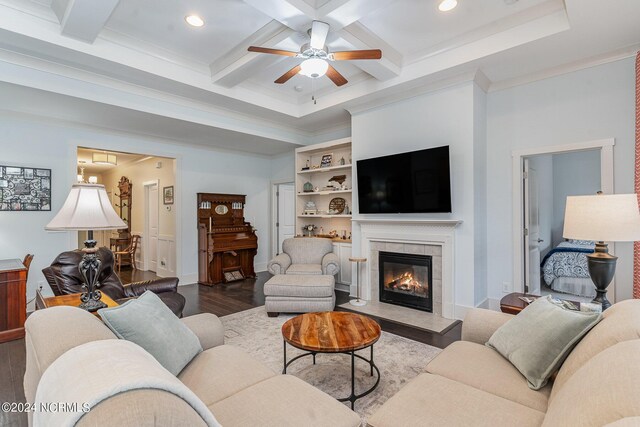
{"x":295,"y":14}
{"x":361,"y":38}
{"x":341,"y":13}
{"x":244,"y":63}
{"x":83,"y":19}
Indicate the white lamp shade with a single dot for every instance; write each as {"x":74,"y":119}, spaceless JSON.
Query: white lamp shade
{"x":87,"y":208}
{"x":606,"y":218}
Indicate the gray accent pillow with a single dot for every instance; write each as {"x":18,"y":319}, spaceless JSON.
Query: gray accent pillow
{"x":148,"y":322}
{"x":540,"y":337}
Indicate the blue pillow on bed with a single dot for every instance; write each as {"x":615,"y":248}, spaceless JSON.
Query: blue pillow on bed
{"x":582,"y":242}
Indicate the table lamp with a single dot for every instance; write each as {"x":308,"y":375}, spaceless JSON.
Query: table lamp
{"x":602,"y":218}
{"x":88,"y":208}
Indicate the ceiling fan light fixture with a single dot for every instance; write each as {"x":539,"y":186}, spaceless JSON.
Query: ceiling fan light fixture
{"x":194,"y":20}
{"x":314,"y":67}
{"x":447,"y":5}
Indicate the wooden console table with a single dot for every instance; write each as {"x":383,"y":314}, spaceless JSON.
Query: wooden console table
{"x":13,"y":299}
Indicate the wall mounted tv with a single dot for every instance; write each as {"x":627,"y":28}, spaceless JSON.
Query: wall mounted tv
{"x":413,"y":182}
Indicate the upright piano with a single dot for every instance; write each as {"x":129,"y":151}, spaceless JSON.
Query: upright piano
{"x":227,"y":244}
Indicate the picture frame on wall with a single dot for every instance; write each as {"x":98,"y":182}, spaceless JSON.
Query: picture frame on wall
{"x":167,"y":195}
{"x":25,"y":189}
{"x":327,"y":160}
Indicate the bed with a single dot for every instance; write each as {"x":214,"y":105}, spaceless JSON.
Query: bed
{"x":565,"y":269}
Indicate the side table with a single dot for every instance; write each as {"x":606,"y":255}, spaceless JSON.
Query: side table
{"x":512,"y":304}
{"x":72,"y":300}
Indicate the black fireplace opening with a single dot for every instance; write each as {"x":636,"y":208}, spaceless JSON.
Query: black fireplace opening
{"x":405,"y":279}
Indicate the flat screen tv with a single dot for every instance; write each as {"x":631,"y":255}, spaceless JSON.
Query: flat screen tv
{"x":412,"y":182}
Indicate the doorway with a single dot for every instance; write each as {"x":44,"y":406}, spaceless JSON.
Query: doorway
{"x":285,"y":214}
{"x":546,"y":263}
{"x":151,"y":229}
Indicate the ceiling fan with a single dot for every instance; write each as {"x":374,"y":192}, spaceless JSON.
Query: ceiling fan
{"x":317,"y":55}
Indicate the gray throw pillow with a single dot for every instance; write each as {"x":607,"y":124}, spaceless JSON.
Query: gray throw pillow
{"x":148,"y":322}
{"x":540,"y":337}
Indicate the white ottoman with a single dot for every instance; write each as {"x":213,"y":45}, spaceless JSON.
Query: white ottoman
{"x":286,"y":293}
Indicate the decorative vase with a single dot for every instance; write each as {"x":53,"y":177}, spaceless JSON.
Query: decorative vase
{"x":307,"y":187}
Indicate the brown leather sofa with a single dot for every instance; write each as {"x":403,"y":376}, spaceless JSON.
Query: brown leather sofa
{"x":64,"y":278}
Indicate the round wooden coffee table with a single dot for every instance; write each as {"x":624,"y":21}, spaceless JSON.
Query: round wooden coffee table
{"x":333,"y":332}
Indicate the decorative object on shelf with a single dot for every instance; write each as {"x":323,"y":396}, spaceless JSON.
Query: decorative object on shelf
{"x":346,"y":210}
{"x":340,"y":179}
{"x":342,"y":161}
{"x":337,"y":205}
{"x":344,"y":234}
{"x":343,"y":187}
{"x":310,"y":208}
{"x":306,"y":168}
{"x":25,"y":189}
{"x":307,"y":187}
{"x":316,"y":189}
{"x":327,"y":160}
{"x":167,"y":195}
{"x":88,"y":208}
{"x":357,"y":302}
{"x":221,"y":209}
{"x":309,"y":228}
{"x":602,"y":218}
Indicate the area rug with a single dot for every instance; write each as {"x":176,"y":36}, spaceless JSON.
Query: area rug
{"x":399,"y":359}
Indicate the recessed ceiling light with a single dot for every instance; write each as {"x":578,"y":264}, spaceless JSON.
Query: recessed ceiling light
{"x":447,"y":5}
{"x":194,"y":20}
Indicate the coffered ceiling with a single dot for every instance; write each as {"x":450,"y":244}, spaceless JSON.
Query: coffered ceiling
{"x":142,"y":55}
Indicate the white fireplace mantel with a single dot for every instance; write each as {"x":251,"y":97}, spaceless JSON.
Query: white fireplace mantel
{"x":440,"y":232}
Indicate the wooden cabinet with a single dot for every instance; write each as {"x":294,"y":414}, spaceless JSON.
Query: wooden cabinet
{"x":343,"y":250}
{"x":227,"y":244}
{"x":13,"y":299}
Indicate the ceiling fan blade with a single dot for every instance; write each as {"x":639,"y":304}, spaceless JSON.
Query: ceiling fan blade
{"x":357,"y":54}
{"x":271,"y":51}
{"x":319,"y":31}
{"x":286,"y":76}
{"x":335,"y":76}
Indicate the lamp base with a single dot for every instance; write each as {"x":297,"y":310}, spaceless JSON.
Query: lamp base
{"x":358,"y":302}
{"x":602,"y":268}
{"x":91,"y":305}
{"x":90,"y":267}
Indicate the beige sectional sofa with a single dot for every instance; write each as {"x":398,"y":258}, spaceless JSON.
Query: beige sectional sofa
{"x":238,"y":390}
{"x":469,"y":384}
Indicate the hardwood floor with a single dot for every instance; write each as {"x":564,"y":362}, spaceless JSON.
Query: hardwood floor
{"x":220,"y":300}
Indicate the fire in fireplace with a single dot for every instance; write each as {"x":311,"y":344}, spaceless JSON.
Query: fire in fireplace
{"x":405,"y":279}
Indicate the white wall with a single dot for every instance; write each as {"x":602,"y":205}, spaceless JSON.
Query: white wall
{"x":26,"y":142}
{"x":585,"y":105}
{"x":454,"y":117}
{"x":574,"y":174}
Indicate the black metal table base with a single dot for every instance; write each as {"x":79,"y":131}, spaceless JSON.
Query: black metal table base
{"x":353,"y":396}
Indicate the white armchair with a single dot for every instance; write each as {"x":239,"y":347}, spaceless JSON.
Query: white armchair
{"x":306,"y":256}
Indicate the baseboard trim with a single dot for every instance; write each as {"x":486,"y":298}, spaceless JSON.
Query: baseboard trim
{"x":188,"y":279}
{"x":259,"y":267}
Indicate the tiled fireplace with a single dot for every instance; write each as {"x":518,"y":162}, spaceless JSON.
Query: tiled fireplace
{"x":405,"y":279}
{"x":410,"y":265}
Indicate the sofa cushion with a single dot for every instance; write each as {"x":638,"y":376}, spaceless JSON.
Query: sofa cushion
{"x":619,"y":323}
{"x":307,"y":250}
{"x":222,"y":371}
{"x":283,"y":401}
{"x":148,"y":322}
{"x":300,"y":286}
{"x":308,"y":269}
{"x":604,"y":390}
{"x":537,"y":340}
{"x":483,"y":368}
{"x":432,"y":400}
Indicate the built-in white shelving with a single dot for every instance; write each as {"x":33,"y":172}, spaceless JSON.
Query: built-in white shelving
{"x":324,"y":193}
{"x":326,"y":169}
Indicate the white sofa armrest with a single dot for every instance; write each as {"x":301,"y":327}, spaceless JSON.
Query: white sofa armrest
{"x":207,"y":327}
{"x":479,"y":324}
{"x":330,"y":264}
{"x":279,"y":264}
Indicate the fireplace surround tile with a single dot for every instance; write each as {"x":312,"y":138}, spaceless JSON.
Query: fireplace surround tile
{"x":433,"y":250}
{"x":410,"y":248}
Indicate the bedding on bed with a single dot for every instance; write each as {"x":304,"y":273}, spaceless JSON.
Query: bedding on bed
{"x":568,"y":259}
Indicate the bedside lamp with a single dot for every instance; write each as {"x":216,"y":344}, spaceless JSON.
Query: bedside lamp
{"x":602,"y":218}
{"x":88,"y":208}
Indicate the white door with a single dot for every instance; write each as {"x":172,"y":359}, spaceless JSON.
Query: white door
{"x":532,"y":230}
{"x":152,"y":228}
{"x":286,"y":221}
